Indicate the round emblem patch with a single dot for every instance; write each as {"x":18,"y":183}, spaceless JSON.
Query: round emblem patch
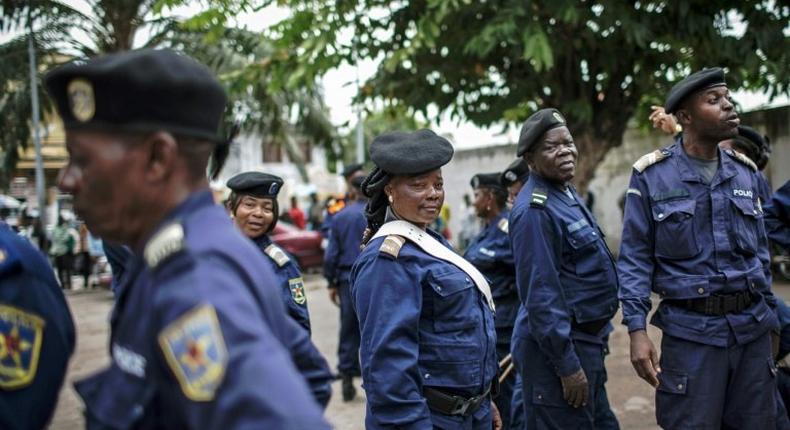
{"x":558,"y":117}
{"x":81,"y":100}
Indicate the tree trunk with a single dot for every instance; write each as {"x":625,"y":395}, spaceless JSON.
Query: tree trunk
{"x":592,"y":150}
{"x":295,"y":154}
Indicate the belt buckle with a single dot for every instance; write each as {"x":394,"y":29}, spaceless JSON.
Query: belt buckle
{"x":461,"y":406}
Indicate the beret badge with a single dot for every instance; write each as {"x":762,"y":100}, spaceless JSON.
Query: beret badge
{"x":511,"y":176}
{"x":81,"y":100}
{"x":558,"y":117}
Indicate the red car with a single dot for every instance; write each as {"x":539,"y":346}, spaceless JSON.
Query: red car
{"x":305,"y":245}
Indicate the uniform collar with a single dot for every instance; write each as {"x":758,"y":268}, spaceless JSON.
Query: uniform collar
{"x":195,"y":201}
{"x":556,"y":190}
{"x":688,"y":173}
{"x":263,"y":241}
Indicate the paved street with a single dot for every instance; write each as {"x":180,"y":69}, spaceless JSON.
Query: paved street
{"x":631,"y":399}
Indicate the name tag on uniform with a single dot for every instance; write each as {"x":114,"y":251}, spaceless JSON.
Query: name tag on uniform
{"x":742,"y":193}
{"x":578,"y":225}
{"x":128,"y":360}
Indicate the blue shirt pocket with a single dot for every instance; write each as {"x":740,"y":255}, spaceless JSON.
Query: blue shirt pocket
{"x":586,"y":255}
{"x":454,"y":301}
{"x":745,"y":223}
{"x":676,"y":234}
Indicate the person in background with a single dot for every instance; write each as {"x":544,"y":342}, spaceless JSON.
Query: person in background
{"x":62,"y":251}
{"x":514,"y":177}
{"x":342,"y":250}
{"x":253,"y":207}
{"x":36,"y":335}
{"x":777,"y":218}
{"x":470,"y":224}
{"x":315,"y":213}
{"x":83,"y":259}
{"x":490,"y":252}
{"x":296,"y":215}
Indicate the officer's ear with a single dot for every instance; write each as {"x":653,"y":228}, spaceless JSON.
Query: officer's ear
{"x":162,"y":152}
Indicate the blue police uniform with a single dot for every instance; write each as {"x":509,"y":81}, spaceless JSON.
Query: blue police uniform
{"x":342,"y":250}
{"x":491,"y":254}
{"x":289,"y":278}
{"x":424,"y":326}
{"x":783,"y":361}
{"x":36,"y":335}
{"x":568,"y":288}
{"x":197,"y":337}
{"x":118,"y":257}
{"x":691,"y":243}
{"x":777,"y":217}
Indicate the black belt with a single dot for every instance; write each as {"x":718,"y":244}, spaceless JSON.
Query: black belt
{"x":451,"y":404}
{"x":716,"y":305}
{"x":590,"y":327}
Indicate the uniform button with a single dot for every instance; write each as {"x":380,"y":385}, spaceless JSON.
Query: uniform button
{"x":540,"y":396}
{"x":427,"y":376}
{"x":660,"y":216}
{"x":680,"y":386}
{"x":701,"y":290}
{"x":438,"y":288}
{"x":594,"y":234}
{"x":573,"y":241}
{"x":467,"y":280}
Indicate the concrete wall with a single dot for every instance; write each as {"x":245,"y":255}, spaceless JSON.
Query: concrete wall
{"x":614,"y":172}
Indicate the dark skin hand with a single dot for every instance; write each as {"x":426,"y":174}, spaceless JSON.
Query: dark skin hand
{"x":334,"y":295}
{"x":575,"y":388}
{"x":644,"y":357}
{"x":496,"y":418}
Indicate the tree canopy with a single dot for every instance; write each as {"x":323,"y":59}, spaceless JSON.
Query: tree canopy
{"x":497,"y":61}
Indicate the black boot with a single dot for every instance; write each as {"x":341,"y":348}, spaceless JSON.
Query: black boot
{"x":349,"y":392}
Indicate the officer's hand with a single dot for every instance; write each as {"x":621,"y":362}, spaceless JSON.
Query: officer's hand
{"x":575,"y":388}
{"x":644,"y":357}
{"x":496,"y":417}
{"x":775,"y":345}
{"x":663,"y":121}
{"x":334,"y":295}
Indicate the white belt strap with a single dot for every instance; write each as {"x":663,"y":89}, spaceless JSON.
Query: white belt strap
{"x":429,"y":244}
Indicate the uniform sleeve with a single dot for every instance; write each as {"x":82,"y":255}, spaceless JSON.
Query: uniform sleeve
{"x":537,"y":250}
{"x":332,"y":256}
{"x":309,"y":362}
{"x":222,"y":365}
{"x":635,"y":264}
{"x":388,"y":302}
{"x":294,"y":291}
{"x":777,"y":216}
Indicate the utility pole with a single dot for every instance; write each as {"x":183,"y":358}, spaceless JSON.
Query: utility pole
{"x":360,"y":126}
{"x":42,"y":199}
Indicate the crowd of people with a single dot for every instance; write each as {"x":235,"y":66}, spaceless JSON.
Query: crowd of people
{"x":211,"y":327}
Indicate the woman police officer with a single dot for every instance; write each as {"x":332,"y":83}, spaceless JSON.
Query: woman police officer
{"x":425,"y":314}
{"x":490,"y":253}
{"x":253,"y":206}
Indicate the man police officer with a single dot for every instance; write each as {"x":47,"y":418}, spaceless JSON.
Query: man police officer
{"x":693,"y":234}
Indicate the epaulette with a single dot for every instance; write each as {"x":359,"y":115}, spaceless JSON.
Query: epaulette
{"x":503,"y":225}
{"x":392,"y":245}
{"x":277,"y":254}
{"x":166,"y":242}
{"x":742,"y":158}
{"x":539,"y":197}
{"x":650,"y":159}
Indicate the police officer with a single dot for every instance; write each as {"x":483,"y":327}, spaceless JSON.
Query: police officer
{"x":490,"y":253}
{"x":693,"y":234}
{"x":336,"y":204}
{"x":200,"y":338}
{"x":567,"y":283}
{"x":342,"y":250}
{"x":514,"y":177}
{"x":777,"y":217}
{"x":36,"y":335}
{"x":427,"y":331}
{"x":253,"y":206}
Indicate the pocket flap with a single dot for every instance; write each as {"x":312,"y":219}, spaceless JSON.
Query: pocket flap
{"x":581,"y":238}
{"x":672,"y":382}
{"x":745,"y":206}
{"x":662,"y":211}
{"x":450,"y":283}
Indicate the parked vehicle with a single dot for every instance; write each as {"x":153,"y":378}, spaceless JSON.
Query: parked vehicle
{"x":304,"y":245}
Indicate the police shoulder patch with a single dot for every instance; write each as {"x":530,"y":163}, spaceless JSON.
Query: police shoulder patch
{"x":21,"y":334}
{"x":743,"y":159}
{"x":539,"y":197}
{"x":650,"y":159}
{"x":297,"y":290}
{"x":166,"y":242}
{"x":195,"y":352}
{"x":392,"y":245}
{"x":277,"y":254}
{"x":503,"y":225}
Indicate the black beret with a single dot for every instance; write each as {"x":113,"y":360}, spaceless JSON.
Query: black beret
{"x":400,"y":153}
{"x":537,"y":124}
{"x":256,"y":183}
{"x":705,"y":78}
{"x":753,"y":136}
{"x":139,"y":91}
{"x":351,"y":169}
{"x":517,"y":170}
{"x":486,"y":180}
